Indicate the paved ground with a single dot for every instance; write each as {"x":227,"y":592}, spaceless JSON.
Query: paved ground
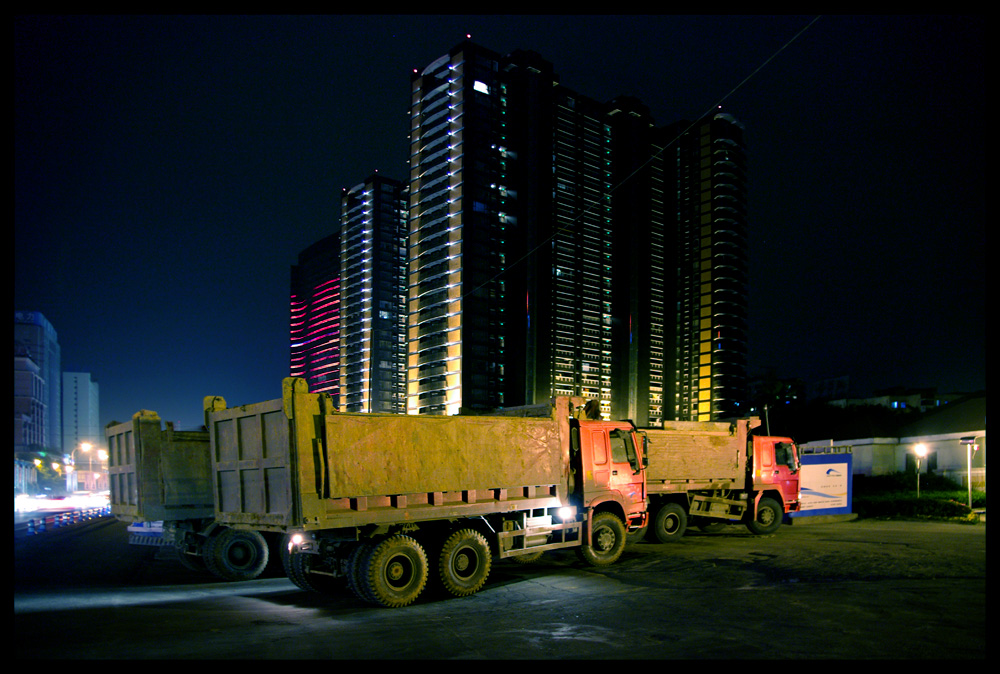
{"x":839,"y":590}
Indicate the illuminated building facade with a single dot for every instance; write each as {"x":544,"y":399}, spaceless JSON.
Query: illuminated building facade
{"x":373,"y":307}
{"x":706,"y":181}
{"x":643,"y":268}
{"x":557,"y":191}
{"x":457,"y":245}
{"x":560,"y":246}
{"x":314,"y":317}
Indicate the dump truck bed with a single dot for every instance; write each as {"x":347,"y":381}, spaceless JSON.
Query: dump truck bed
{"x":158,"y":474}
{"x":296,"y":463}
{"x":686,"y":455}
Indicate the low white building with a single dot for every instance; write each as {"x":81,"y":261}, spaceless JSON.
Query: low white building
{"x":954,"y":438}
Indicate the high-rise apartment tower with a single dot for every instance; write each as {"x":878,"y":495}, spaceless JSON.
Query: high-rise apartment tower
{"x":314,"y":317}
{"x":706,"y":182}
{"x":457,"y":242}
{"x":373,"y":297}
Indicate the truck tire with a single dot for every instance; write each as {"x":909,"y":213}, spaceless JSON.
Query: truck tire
{"x":236,"y":555}
{"x":464,"y":562}
{"x":356,"y":561}
{"x":608,"y":535}
{"x":768,"y":518}
{"x":527,"y":558}
{"x":395,"y":572}
{"x":670,"y":523}
{"x":300,"y":567}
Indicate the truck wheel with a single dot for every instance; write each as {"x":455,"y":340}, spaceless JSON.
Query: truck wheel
{"x":236,"y":555}
{"x":527,"y":558}
{"x":670,"y":523}
{"x":356,"y":561}
{"x":608,"y":537}
{"x":396,"y":572}
{"x":299,"y":567}
{"x":768,"y":518}
{"x":464,"y":563}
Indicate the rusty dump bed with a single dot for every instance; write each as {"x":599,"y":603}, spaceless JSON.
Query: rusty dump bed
{"x":294,"y":463}
{"x":158,"y":474}
{"x":686,"y":455}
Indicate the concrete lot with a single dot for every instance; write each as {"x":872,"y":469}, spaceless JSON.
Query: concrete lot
{"x":837,"y":590}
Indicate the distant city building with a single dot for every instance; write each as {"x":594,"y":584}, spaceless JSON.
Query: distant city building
{"x":29,"y":402}
{"x":373,"y":297}
{"x":81,"y":411}
{"x":314,"y":317}
{"x":902,"y":399}
{"x":829,"y":388}
{"x":82,"y":432}
{"x":38,"y":341}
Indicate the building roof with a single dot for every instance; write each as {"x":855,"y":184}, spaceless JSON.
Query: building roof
{"x":962,"y":416}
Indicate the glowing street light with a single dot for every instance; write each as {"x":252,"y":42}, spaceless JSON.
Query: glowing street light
{"x":84,"y":447}
{"x":970,"y":448}
{"x":921,"y":451}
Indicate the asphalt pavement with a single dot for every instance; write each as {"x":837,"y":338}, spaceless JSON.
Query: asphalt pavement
{"x":838,"y":590}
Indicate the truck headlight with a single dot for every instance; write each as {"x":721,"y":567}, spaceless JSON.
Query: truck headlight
{"x":566,"y":514}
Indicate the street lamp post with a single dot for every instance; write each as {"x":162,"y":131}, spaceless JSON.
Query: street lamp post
{"x":921,"y":451}
{"x":84,"y":447}
{"x":970,"y":448}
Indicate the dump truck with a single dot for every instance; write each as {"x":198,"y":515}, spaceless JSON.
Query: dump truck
{"x":383,"y":504}
{"x":718,"y":472}
{"x":160,"y":483}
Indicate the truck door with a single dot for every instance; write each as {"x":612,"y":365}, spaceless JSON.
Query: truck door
{"x":610,"y":464}
{"x":626,"y":476}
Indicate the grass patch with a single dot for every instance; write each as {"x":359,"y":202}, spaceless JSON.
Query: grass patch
{"x":895,"y":496}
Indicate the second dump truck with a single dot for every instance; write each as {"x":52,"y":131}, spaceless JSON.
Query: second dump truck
{"x":718,"y":472}
{"x":161,"y":480}
{"x":384,"y":504}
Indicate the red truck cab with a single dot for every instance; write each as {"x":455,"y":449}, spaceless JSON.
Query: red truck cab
{"x":775,"y":478}
{"x":612,"y":467}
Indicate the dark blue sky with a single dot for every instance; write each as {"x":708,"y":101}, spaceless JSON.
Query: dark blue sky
{"x":168,"y":171}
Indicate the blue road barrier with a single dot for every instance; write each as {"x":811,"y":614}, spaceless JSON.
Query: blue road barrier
{"x":41,"y":525}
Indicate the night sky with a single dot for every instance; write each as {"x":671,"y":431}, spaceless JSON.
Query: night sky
{"x":168,"y":171}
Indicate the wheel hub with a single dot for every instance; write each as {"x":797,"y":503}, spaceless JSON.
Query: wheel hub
{"x":395,"y":571}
